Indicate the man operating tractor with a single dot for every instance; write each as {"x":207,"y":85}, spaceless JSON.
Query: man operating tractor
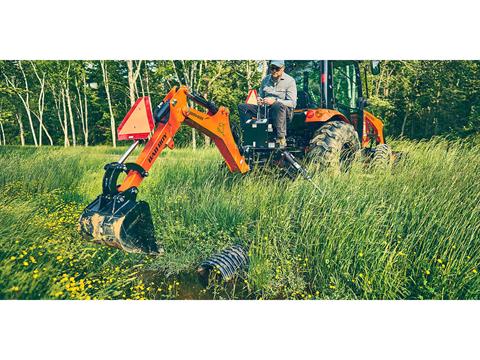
{"x":278,"y":92}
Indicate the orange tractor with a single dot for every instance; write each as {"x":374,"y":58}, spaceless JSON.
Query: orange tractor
{"x":329,"y":127}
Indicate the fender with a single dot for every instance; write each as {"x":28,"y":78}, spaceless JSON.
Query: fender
{"x":372,"y":127}
{"x":323,"y":115}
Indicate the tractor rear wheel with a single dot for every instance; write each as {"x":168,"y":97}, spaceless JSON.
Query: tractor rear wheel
{"x":335,"y":145}
{"x":382,"y":158}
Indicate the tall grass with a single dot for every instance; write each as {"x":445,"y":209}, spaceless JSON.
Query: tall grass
{"x":410,"y":233}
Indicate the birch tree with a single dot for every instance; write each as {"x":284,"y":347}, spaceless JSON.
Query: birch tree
{"x":188,"y":74}
{"x":248,"y":70}
{"x":18,"y":117}
{"x":264,"y":68}
{"x":58,"y":96}
{"x":69,"y":105}
{"x":2,"y":132}
{"x":24,"y":96}
{"x":109,"y":100}
{"x":83,"y":106}
{"x":41,"y":105}
{"x":65,"y":118}
{"x":133,"y":73}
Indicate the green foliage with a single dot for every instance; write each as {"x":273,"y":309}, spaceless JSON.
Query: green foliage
{"x":225,"y":82}
{"x":416,"y":99}
{"x":421,"y":99}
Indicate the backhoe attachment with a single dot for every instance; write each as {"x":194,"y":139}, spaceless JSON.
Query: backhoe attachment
{"x":115,"y":217}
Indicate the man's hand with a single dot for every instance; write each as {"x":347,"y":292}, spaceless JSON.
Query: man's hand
{"x":269,"y":100}
{"x":259,"y":101}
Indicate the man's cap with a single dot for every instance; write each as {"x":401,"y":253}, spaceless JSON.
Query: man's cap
{"x":279,"y":63}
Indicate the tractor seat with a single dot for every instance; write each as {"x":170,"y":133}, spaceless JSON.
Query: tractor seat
{"x":304,"y":101}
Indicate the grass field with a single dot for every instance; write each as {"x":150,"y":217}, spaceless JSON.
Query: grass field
{"x":413,"y":233}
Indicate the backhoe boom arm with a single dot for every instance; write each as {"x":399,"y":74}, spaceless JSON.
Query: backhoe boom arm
{"x":215,"y":124}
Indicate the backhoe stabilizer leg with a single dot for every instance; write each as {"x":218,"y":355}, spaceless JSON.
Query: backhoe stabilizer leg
{"x":292,"y":161}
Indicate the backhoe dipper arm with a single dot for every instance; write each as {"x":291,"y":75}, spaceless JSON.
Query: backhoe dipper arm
{"x":173,"y":112}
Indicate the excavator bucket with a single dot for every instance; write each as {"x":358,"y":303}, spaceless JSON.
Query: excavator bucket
{"x":121,"y":223}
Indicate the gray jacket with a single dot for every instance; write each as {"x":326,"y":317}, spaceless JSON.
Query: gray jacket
{"x":284,"y":90}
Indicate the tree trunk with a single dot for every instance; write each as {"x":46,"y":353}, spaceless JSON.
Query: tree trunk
{"x":41,"y":106}
{"x":248,"y":75}
{"x":404,"y":123}
{"x":32,"y":128}
{"x":3,"y":135}
{"x":131,"y":83}
{"x":26,"y":104}
{"x":107,"y":90}
{"x":65,"y":120}
{"x":20,"y":126}
{"x":186,"y":81}
{"x":82,"y":110}
{"x":141,"y":85}
{"x":264,"y":68}
{"x":79,"y":107}
{"x":40,"y":117}
{"x":70,"y":114}
{"x":69,"y":106}
{"x":50,"y":140}
{"x":132,"y":79}
{"x":146,"y":80}
{"x":86,"y":108}
{"x":61,"y":120}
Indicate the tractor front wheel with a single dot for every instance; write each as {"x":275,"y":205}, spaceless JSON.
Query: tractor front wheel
{"x":335,"y":145}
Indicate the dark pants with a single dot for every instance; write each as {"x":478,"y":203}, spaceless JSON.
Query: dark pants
{"x":277,"y":114}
